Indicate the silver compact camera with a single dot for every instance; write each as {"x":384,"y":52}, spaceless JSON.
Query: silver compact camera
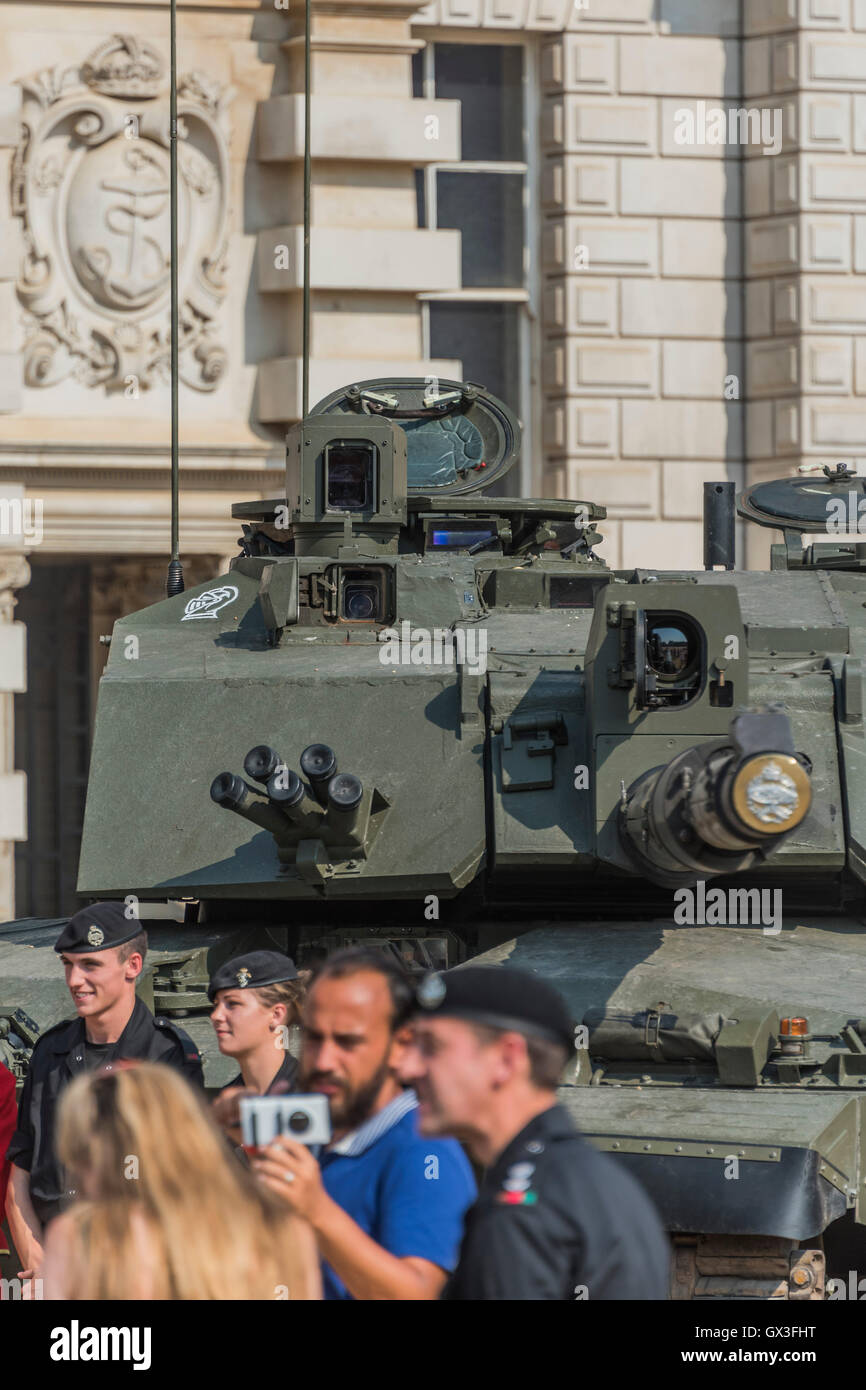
{"x":304,"y":1118}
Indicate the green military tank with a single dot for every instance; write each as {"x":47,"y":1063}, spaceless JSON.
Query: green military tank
{"x":420,"y":713}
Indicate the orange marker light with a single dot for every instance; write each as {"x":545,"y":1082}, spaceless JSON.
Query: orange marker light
{"x":794,"y":1028}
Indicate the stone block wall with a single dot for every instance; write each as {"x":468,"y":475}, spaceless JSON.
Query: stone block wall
{"x":641,"y":259}
{"x":702,"y":304}
{"x":806,"y":240}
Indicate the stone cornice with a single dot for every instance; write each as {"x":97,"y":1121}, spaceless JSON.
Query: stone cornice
{"x":532,"y":15}
{"x":322,"y":43}
{"x":359,"y":7}
{"x":114,"y":537}
{"x":362,"y":9}
{"x":126,"y":480}
{"x":39,"y":457}
{"x":121,"y":5}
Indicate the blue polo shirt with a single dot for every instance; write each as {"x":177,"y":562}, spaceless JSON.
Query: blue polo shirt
{"x":407,"y":1192}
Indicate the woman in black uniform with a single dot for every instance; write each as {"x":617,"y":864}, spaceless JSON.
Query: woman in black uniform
{"x":257,"y":998}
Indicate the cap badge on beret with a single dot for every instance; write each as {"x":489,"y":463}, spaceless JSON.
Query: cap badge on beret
{"x":95,"y":935}
{"x":431,"y":991}
{"x":243,"y":977}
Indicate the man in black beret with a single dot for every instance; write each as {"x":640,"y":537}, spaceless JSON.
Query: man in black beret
{"x":256,"y":999}
{"x":103,"y":951}
{"x":555,"y":1218}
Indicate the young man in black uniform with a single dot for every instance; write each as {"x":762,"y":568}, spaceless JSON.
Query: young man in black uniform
{"x":103,"y":955}
{"x":256,"y":999}
{"x":555,"y":1218}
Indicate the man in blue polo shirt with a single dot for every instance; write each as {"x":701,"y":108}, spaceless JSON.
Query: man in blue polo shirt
{"x":386,"y":1204}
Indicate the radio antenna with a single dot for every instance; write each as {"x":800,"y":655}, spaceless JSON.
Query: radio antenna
{"x":174,"y":582}
{"x":305,"y":392}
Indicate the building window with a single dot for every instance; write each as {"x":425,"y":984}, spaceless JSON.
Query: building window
{"x":489,"y":197}
{"x":486,"y":338}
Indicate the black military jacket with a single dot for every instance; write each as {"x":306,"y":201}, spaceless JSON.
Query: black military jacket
{"x":287,"y":1072}
{"x":58,"y":1056}
{"x":557,"y":1219}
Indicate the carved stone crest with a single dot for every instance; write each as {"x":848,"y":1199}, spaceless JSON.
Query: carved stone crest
{"x":91,"y":184}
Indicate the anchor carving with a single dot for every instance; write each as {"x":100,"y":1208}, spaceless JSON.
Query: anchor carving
{"x":127,"y":220}
{"x":91,"y":187}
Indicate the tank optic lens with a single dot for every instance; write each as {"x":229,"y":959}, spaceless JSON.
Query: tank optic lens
{"x":670,"y":649}
{"x":350,"y":470}
{"x":360,"y":602}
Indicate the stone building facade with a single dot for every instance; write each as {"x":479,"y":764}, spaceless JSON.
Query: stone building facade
{"x":644,"y":221}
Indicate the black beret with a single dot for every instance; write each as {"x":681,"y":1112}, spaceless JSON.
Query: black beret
{"x":500,"y":997}
{"x":252,"y":971}
{"x":98,"y":928}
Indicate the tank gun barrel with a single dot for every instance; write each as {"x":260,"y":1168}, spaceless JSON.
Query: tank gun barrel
{"x":717,"y":807}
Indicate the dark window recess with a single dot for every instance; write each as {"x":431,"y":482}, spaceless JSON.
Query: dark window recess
{"x":487,"y":80}
{"x":421,"y":197}
{"x":52,"y":737}
{"x":488,"y":210}
{"x":418,"y":73}
{"x":485,"y":337}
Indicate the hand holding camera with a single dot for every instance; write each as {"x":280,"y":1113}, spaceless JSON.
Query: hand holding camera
{"x":305,"y":1118}
{"x":277,"y":1134}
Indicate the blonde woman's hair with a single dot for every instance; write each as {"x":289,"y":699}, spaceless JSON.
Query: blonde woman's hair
{"x":288,"y":992}
{"x":171,"y":1212}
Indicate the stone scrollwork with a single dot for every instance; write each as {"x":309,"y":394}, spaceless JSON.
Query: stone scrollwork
{"x":14,"y":574}
{"x":91,"y":183}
